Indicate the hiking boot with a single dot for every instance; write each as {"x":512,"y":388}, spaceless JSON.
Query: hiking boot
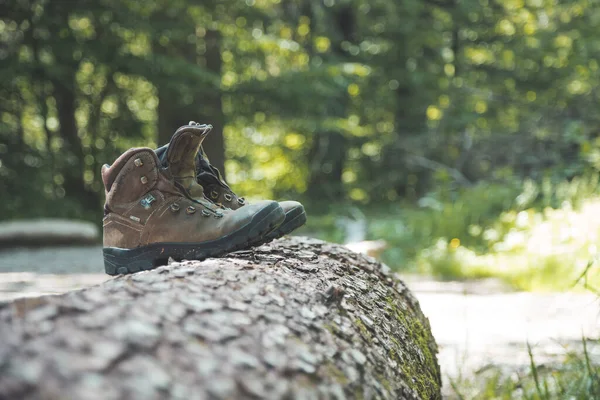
{"x":148,"y":218}
{"x":214,"y":188}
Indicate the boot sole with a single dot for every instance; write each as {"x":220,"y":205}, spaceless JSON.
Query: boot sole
{"x":119,"y":261}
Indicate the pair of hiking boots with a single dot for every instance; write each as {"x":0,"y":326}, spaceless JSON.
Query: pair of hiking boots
{"x":171,"y":203}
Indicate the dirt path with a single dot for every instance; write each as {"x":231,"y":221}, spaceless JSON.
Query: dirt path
{"x":53,"y":260}
{"x":475,"y":331}
{"x":475,"y":324}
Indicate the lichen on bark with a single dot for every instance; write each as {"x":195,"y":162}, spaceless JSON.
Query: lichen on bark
{"x":299,"y":318}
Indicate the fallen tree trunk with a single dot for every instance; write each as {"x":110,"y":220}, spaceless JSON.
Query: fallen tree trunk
{"x":298,"y":319}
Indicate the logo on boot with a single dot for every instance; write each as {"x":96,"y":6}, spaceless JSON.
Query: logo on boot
{"x":146,"y":202}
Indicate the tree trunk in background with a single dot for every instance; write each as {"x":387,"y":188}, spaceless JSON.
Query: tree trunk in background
{"x":171,"y":110}
{"x":328,"y":154}
{"x":73,"y":164}
{"x":210,"y":108}
{"x":206,"y":107}
{"x":70,"y":162}
{"x":168,"y":119}
{"x":327,"y":157}
{"x":300,"y":319}
{"x":409,"y":122}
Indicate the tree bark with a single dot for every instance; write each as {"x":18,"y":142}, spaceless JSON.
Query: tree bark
{"x":298,"y":319}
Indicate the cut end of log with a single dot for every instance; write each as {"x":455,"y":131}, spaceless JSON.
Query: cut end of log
{"x":299,"y":318}
{"x":47,"y":231}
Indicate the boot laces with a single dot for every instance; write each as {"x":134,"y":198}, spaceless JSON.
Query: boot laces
{"x":205,"y":203}
{"x":206,"y":166}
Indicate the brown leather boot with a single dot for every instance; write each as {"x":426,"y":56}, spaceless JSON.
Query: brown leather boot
{"x":148,"y":218}
{"x":213,"y":186}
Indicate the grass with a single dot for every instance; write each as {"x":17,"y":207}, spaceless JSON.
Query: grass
{"x":532,"y":250}
{"x":577,"y":378}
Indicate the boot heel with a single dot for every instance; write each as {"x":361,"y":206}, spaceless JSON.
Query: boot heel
{"x":124,"y":261}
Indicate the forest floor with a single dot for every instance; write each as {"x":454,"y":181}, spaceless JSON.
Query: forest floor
{"x":477,"y":325}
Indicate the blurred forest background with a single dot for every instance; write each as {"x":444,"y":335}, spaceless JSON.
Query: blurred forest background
{"x":466,"y":133}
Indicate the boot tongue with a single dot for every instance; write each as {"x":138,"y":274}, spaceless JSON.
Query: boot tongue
{"x":181,"y":154}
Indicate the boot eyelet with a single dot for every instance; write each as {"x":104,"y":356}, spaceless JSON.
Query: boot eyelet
{"x":174,"y":207}
{"x":138,"y":162}
{"x":228,"y":197}
{"x":205,"y":213}
{"x":218,"y":214}
{"x":214,"y":195}
{"x":242,"y":201}
{"x":190,"y":210}
{"x":144,"y":180}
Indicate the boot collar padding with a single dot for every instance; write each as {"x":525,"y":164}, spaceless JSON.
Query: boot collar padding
{"x":110,"y":172}
{"x":132,"y":175}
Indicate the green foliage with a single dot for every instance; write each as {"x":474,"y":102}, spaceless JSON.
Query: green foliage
{"x":367,"y":102}
{"x":531,"y":245}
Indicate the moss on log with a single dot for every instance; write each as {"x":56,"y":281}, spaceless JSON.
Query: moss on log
{"x":297,"y":319}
